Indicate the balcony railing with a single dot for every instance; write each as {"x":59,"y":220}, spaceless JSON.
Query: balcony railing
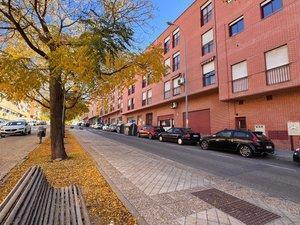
{"x":278,"y":75}
{"x":240,"y":85}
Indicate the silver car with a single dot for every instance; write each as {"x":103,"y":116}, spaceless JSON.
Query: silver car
{"x":15,"y":127}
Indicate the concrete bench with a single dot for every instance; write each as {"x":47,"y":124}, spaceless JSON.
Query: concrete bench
{"x":34,"y":201}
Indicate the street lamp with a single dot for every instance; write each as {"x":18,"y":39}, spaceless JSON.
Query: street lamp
{"x":185,"y":76}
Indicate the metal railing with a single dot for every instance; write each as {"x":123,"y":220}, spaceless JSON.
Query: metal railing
{"x":278,"y":75}
{"x":240,"y":85}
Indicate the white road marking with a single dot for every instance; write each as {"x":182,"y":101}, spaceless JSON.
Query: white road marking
{"x":280,"y":167}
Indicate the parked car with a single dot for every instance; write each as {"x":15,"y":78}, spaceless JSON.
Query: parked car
{"x":112,"y":128}
{"x":180,"y":135}
{"x":98,"y":126}
{"x":296,"y":155}
{"x":16,"y":127}
{"x":150,"y":132}
{"x":105,"y":127}
{"x":246,"y":143}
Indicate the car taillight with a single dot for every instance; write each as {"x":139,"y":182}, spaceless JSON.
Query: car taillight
{"x":187,"y":136}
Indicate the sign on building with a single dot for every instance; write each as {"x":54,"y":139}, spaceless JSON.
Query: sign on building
{"x":260,"y":128}
{"x":293,"y":128}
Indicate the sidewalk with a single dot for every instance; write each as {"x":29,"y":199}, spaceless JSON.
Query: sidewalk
{"x":286,"y":155}
{"x":161,"y":191}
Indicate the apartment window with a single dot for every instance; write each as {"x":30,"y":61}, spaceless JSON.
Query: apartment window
{"x":168,"y":65}
{"x":207,"y":42}
{"x":206,"y":12}
{"x":270,"y":6}
{"x":167,"y":90}
{"x":208,"y":70}
{"x":167,"y":45}
{"x":277,"y":65}
{"x":239,"y":77}
{"x":131,"y":89}
{"x":149,"y":97}
{"x":236,"y":26}
{"x":176,"y":37}
{"x":176,"y":86}
{"x":130,"y":104}
{"x":146,"y":80}
{"x":144,"y":98}
{"x":176,"y":61}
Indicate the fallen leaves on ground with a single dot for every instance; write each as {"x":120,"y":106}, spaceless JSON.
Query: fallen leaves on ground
{"x":102,"y":203}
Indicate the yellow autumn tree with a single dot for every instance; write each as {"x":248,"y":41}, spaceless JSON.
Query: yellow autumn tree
{"x":62,"y":53}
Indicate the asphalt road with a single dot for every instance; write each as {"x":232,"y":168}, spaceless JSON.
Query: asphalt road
{"x":277,"y":178}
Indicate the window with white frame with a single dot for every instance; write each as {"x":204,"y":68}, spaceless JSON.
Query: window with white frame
{"x":206,"y":12}
{"x":167,"y":45}
{"x":239,"y":77}
{"x":144,"y":98}
{"x":207,"y":42}
{"x":168,"y":65}
{"x":176,"y":61}
{"x":176,"y":86}
{"x":176,"y":37}
{"x":130,"y":104}
{"x":167,"y":90}
{"x":149,"y":97}
{"x":277,"y":65}
{"x":208,"y":71}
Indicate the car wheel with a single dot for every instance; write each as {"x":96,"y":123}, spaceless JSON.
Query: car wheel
{"x":160,"y":139}
{"x":29,"y":132}
{"x":204,"y":145}
{"x":180,"y":141}
{"x":23,"y":133}
{"x":245,"y":151}
{"x":150,"y":136}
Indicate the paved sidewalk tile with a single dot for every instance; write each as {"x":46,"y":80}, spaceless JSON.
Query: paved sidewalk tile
{"x":159,"y":191}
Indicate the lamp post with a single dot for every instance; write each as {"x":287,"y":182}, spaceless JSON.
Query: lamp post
{"x":185,"y":76}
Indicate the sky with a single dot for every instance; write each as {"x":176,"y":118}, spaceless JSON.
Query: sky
{"x":166,"y":10}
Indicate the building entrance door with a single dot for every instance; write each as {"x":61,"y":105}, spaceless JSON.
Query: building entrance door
{"x":240,"y":123}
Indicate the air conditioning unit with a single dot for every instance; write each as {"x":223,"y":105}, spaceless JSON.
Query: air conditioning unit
{"x":174,"y":105}
{"x":181,"y":81}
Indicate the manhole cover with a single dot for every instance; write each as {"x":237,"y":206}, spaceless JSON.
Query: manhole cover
{"x":237,"y":208}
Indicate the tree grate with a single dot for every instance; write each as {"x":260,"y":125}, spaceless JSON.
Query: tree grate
{"x":244,"y":211}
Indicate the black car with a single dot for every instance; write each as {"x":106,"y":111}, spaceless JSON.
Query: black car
{"x":246,"y":143}
{"x":296,"y":155}
{"x":180,"y":135}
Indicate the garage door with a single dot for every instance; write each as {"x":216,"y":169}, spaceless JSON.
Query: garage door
{"x":199,"y":121}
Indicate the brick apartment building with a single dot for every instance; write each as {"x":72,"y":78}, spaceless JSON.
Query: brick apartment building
{"x":238,"y":63}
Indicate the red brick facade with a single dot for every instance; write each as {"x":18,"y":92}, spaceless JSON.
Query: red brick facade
{"x":213,"y":102}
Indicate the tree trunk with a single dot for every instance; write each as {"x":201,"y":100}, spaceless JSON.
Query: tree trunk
{"x":56,"y":120}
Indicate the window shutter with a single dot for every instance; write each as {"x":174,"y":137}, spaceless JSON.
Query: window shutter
{"x":239,"y":70}
{"x":144,"y":95}
{"x":176,"y":54}
{"x":168,"y":62}
{"x":208,"y":67}
{"x":167,"y":86}
{"x":207,"y":37}
{"x":206,"y":4}
{"x":277,"y":57}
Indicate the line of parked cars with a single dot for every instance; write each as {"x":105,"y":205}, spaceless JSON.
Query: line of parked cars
{"x":245,"y":142}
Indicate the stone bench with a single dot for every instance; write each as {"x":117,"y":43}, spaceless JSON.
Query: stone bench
{"x":34,"y":201}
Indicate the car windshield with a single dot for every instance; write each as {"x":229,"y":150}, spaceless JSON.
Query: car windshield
{"x":15,"y":123}
{"x":260,"y":135}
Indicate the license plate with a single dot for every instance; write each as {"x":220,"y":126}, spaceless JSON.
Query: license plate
{"x":195,"y":135}
{"x":269,"y":147}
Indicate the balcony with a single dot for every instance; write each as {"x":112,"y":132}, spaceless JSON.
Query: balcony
{"x":240,"y":85}
{"x":278,"y":75}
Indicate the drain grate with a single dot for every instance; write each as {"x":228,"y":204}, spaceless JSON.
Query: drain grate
{"x":244,"y":211}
